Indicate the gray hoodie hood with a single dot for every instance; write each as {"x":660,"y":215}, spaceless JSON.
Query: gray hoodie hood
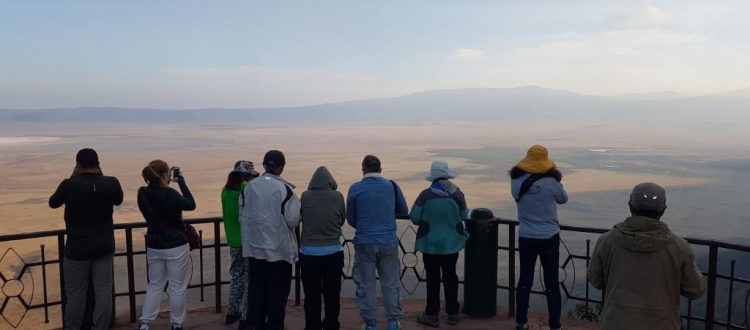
{"x":642,"y":234}
{"x":322,"y":180}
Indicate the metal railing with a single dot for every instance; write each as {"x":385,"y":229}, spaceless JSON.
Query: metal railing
{"x":705,"y":312}
{"x":22,"y":270}
{"x":710,"y":317}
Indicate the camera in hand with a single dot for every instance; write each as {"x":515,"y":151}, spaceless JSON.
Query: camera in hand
{"x":175,"y":173}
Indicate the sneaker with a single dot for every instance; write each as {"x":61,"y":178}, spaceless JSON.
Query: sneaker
{"x":144,"y":326}
{"x":524,"y":326}
{"x":394,"y":325}
{"x":231,"y":318}
{"x":453,"y":319}
{"x":427,"y":319}
{"x":369,"y":327}
{"x":176,"y":326}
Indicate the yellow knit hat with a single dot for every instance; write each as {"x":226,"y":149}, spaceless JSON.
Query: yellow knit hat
{"x":536,"y":160}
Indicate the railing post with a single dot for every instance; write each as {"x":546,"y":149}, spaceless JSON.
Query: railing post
{"x":113,"y":314}
{"x":713,"y":253}
{"x":512,"y":269}
{"x":200,"y":262}
{"x":61,"y":256}
{"x":131,"y":273}
{"x":297,"y":275}
{"x":588,"y":257}
{"x":731,"y":292}
{"x":44,"y":285}
{"x":217,"y":263}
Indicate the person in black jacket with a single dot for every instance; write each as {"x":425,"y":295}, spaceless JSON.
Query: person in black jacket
{"x":89,"y":198}
{"x":167,"y":248}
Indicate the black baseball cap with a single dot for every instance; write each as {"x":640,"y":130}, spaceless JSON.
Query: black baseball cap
{"x":274,"y":159}
{"x":648,"y":196}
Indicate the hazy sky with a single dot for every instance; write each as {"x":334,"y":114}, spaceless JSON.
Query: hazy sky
{"x":189,"y":54}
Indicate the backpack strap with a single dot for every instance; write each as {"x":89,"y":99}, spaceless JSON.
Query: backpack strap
{"x":526,"y":185}
{"x":395,"y":197}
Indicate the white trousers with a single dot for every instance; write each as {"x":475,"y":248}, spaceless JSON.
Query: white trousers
{"x":171,"y":265}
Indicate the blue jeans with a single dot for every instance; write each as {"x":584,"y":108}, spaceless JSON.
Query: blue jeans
{"x":385,"y":259}
{"x":548,"y":251}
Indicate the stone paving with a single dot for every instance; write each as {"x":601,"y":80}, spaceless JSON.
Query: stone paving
{"x":295,"y":319}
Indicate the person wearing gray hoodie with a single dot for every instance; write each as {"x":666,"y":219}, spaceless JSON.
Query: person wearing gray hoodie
{"x":321,"y":254}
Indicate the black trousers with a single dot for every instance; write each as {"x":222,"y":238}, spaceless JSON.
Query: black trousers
{"x":268,"y":291}
{"x":548,"y":251}
{"x":321,"y":275}
{"x":434,"y":265}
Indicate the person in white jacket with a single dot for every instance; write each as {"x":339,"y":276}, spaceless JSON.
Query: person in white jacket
{"x":269,"y":212}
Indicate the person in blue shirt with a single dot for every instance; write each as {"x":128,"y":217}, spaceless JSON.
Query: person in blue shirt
{"x":371,"y":209}
{"x":536,"y":187}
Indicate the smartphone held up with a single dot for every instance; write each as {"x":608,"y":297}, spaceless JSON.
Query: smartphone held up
{"x":175,"y":173}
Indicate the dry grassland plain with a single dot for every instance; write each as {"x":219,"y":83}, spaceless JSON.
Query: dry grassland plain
{"x":34,"y":158}
{"x":705,"y":174}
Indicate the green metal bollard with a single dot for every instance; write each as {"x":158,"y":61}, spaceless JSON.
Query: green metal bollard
{"x":480,"y":265}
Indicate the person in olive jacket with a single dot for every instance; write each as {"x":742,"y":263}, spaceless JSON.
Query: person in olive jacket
{"x":643,"y":267}
{"x":89,"y":198}
{"x":439,"y":211}
{"x":321,"y":254}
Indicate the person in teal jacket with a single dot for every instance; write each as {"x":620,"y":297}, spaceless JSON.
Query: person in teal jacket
{"x":243,"y":172}
{"x":439,"y":211}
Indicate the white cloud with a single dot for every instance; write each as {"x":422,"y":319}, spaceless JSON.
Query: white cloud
{"x":655,"y":15}
{"x":467,"y":54}
{"x":573,"y":46}
{"x":629,"y":15}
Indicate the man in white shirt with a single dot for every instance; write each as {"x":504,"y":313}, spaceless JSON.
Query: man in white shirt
{"x":269,"y":214}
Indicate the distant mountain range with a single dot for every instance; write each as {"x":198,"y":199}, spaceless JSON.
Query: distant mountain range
{"x":521,"y":104}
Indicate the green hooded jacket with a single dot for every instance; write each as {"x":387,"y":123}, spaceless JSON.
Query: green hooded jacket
{"x":644,"y":269}
{"x":231,"y":213}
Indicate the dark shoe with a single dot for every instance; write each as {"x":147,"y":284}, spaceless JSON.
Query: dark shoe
{"x":243,"y":325}
{"x":453,"y":319}
{"x":524,"y":326}
{"x":430,"y":320}
{"x":231,"y":318}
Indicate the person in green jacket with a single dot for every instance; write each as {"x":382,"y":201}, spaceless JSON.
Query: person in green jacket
{"x":243,"y":172}
{"x":439,"y":211}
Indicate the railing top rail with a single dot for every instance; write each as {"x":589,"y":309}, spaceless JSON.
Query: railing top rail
{"x":127,"y":225}
{"x":691,"y":240}
{"x":510,"y":222}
